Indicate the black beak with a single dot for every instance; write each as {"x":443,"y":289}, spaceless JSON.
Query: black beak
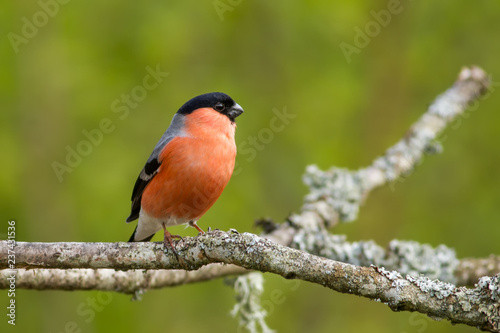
{"x":235,"y":111}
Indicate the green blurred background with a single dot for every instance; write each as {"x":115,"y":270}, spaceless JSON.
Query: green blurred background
{"x":266,"y":55}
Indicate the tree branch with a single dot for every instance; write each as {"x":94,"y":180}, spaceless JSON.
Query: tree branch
{"x":127,"y":282}
{"x":469,"y":270}
{"x":337,"y":194}
{"x":477,"y":307}
{"x":405,"y":257}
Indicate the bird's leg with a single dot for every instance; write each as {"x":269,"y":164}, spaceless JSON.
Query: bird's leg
{"x":194,"y":225}
{"x":168,"y":238}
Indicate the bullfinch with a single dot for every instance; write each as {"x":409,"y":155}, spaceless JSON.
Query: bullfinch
{"x":188,"y":169}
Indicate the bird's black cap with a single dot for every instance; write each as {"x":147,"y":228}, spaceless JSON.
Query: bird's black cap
{"x":220,"y":102}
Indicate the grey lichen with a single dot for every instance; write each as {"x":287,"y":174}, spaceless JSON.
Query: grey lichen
{"x":407,"y":257}
{"x":397,"y":280}
{"x":491,"y":286}
{"x":340,"y":189}
{"x":400,"y":159}
{"x":391,"y":275}
{"x":485,"y":298}
{"x":251,"y":315}
{"x":435,"y":288}
{"x":137,"y":295}
{"x":410,"y":257}
{"x":488,"y":290}
{"x":447,"y":105}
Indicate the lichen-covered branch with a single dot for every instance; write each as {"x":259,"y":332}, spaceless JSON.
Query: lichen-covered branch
{"x":405,"y":257}
{"x":248,"y":309}
{"x":337,"y":194}
{"x":469,"y":270}
{"x":477,"y":307}
{"x":127,"y":282}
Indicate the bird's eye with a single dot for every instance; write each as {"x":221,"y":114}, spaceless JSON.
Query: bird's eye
{"x":219,"y":107}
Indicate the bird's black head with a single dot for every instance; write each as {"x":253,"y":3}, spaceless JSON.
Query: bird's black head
{"x":218,"y":101}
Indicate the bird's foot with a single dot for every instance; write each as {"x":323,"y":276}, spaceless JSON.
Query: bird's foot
{"x":194,"y":225}
{"x":167,"y":242}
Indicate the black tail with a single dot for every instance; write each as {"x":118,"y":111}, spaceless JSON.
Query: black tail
{"x":147,"y":239}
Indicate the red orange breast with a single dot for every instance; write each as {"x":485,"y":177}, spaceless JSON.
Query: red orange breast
{"x":195,"y":168}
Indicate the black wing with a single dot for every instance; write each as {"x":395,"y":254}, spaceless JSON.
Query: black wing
{"x":149,"y":171}
{"x":153,"y":164}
